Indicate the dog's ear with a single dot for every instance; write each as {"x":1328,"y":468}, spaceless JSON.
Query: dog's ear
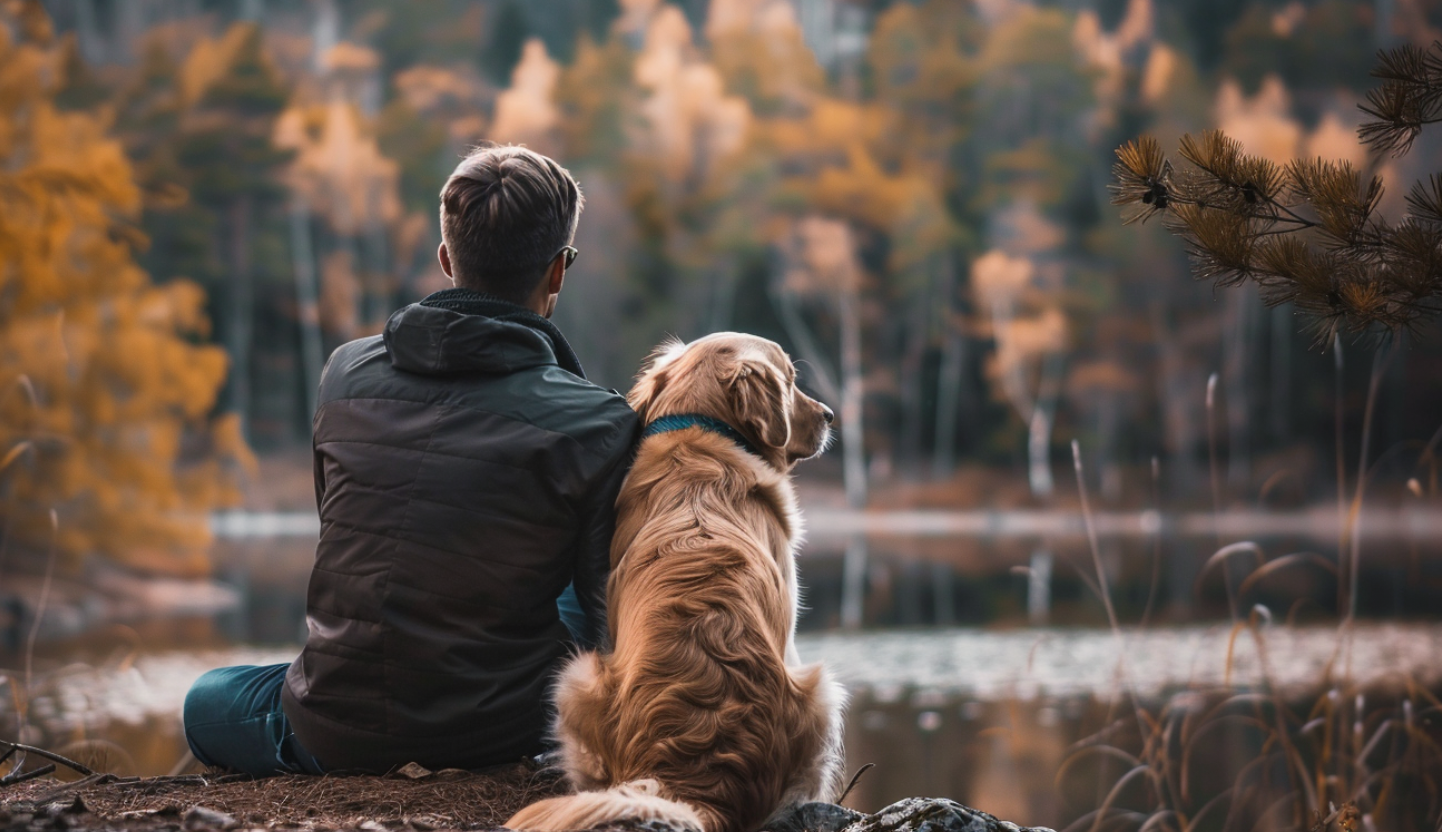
{"x":653,"y":376}
{"x":761,"y":401}
{"x":644,"y":392}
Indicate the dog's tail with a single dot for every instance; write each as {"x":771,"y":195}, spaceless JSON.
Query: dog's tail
{"x":638,"y":800}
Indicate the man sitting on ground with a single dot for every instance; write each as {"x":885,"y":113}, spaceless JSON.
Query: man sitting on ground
{"x":466,"y":473}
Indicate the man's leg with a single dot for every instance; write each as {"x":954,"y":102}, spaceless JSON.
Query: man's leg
{"x":233,"y":719}
{"x":569,"y":608}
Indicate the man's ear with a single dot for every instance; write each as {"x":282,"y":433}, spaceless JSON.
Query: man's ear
{"x":761,"y":404}
{"x":444,"y":255}
{"x":556,"y":275}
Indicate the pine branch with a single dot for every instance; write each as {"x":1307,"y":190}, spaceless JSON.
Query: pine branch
{"x":1425,"y":200}
{"x":1307,"y":233}
{"x":1409,"y":98}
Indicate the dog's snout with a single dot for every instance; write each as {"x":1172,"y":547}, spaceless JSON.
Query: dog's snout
{"x":827,"y":414}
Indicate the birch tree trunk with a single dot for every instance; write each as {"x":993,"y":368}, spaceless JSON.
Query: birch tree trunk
{"x":911,"y":382}
{"x":302,"y":253}
{"x":854,"y":457}
{"x":1279,"y":409}
{"x":852,"y":433}
{"x":949,"y":375}
{"x":372,"y":270}
{"x":848,"y":395}
{"x":242,"y":310}
{"x":724,"y":301}
{"x":1237,"y":350}
{"x":801,"y":338}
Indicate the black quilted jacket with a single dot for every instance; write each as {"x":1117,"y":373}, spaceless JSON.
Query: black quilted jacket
{"x":463,"y":479}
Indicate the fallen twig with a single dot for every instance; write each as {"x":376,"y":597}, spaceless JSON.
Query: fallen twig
{"x":13,"y":778}
{"x":49,"y":755}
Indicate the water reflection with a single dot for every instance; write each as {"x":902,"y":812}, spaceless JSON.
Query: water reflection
{"x":971,"y":568}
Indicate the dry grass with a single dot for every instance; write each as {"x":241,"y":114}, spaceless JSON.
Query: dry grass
{"x":1359,"y":757}
{"x":1241,"y":761}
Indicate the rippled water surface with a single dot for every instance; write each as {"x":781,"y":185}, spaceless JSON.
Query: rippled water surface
{"x":986,"y":717}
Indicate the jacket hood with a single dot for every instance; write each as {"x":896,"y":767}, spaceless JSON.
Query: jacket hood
{"x":434,"y":341}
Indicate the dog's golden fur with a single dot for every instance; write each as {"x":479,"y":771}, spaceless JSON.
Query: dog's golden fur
{"x":702,"y":714}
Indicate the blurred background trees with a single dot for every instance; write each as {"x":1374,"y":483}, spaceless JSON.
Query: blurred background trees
{"x":986,"y":306}
{"x":111,"y":437}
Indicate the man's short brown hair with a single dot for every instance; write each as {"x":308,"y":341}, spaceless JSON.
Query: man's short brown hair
{"x":506,"y":212}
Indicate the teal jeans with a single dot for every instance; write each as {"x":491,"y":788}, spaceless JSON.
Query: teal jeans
{"x":233,"y":720}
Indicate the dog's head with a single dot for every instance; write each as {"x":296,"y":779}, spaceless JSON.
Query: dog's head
{"x":744,"y":381}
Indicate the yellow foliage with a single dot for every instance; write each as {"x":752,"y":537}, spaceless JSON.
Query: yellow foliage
{"x":924,"y":63}
{"x":1012,"y":44}
{"x":98,"y":371}
{"x":688,"y":123}
{"x":758,"y":49}
{"x":830,"y":150}
{"x":338,"y":168}
{"x":587,"y":94}
{"x":526,"y":113}
{"x":208,"y":62}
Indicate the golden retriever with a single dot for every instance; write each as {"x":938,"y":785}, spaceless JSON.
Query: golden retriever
{"x":702,"y":714}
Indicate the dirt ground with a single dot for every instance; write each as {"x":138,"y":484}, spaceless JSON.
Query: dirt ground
{"x":410,"y":799}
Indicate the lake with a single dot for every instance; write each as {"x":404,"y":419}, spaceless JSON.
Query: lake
{"x":969,"y":677}
{"x":985,"y":717}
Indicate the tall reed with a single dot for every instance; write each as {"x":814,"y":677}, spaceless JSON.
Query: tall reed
{"x":1355,"y":755}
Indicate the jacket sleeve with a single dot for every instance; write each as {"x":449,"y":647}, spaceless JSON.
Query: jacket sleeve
{"x":319,"y":468}
{"x":317,"y":462}
{"x":598,"y":523}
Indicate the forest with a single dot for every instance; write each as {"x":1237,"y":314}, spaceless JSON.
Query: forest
{"x":913,"y":197}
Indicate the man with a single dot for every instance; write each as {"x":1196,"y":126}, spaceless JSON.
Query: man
{"x":466,"y":473}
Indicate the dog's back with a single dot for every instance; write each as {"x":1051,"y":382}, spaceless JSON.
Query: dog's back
{"x":696,"y":717}
{"x":695,"y":706}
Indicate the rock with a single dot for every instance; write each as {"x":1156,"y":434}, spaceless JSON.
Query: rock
{"x":920,"y":814}
{"x":74,"y":806}
{"x":199,"y":818}
{"x":814,"y":817}
{"x":639,"y":826}
{"x":914,"y":814}
{"x":447,"y":774}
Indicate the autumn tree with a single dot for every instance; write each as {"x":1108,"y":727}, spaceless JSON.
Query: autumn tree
{"x":105,"y":396}
{"x":340,"y":176}
{"x":508,"y":35}
{"x":148,"y":111}
{"x":198,"y":128}
{"x":991,"y":116}
{"x":1326,"y":45}
{"x":646,"y":121}
{"x":228,"y":146}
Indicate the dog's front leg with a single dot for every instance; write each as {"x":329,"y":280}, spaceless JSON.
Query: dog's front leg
{"x":580,"y":703}
{"x":792,"y":589}
{"x":820,"y":779}
{"x":793,"y":658}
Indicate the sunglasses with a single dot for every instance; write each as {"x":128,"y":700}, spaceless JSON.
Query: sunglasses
{"x":570,"y":253}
